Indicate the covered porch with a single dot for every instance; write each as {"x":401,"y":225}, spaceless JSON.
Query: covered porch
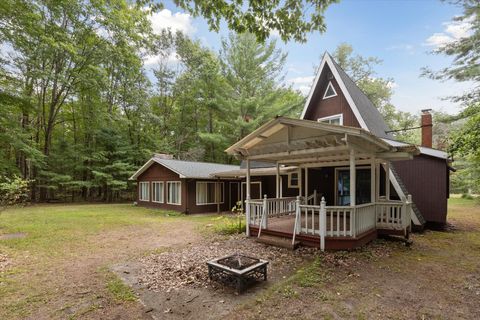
{"x":359,"y":205}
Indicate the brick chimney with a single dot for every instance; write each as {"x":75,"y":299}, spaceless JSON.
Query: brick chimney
{"x":426,"y":128}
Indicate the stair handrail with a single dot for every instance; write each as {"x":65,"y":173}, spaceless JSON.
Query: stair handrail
{"x":297,"y":215}
{"x":264,"y":214}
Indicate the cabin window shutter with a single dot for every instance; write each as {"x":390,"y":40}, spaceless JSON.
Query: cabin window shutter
{"x":330,"y":91}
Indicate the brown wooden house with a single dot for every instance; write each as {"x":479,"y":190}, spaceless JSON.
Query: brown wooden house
{"x":341,"y":151}
{"x":335,"y":178}
{"x":185,"y":186}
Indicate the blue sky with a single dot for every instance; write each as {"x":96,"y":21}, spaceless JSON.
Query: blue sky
{"x":401,"y":33}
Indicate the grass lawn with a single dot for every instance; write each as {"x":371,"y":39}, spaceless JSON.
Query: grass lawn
{"x":58,"y":267}
{"x":60,"y":254}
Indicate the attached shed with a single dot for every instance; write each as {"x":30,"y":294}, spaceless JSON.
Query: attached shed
{"x":185,"y":186}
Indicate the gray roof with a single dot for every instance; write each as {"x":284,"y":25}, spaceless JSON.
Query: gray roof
{"x":370,"y":114}
{"x":187,"y":169}
{"x":257,"y":164}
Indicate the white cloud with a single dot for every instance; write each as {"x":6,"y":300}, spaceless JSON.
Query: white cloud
{"x":178,"y":21}
{"x":410,"y":49}
{"x":303,"y":84}
{"x":165,"y":19}
{"x":152,"y":60}
{"x":453,"y":30}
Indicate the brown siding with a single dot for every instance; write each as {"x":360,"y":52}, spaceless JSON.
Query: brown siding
{"x":192,"y":198}
{"x":425,"y":179}
{"x":158,"y":172}
{"x":323,"y":108}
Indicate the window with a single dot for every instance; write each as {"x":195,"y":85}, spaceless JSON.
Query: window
{"x":174,"y":189}
{"x":144,"y":191}
{"x":293,"y":180}
{"x":157,"y":192}
{"x":330,"y":91}
{"x":209,"y":192}
{"x":335,"y":119}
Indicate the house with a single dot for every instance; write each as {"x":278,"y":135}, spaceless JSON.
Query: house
{"x":185,"y":186}
{"x":336,"y":178}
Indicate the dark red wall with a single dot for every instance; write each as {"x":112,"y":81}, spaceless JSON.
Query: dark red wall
{"x":320,"y":108}
{"x":426,"y":179}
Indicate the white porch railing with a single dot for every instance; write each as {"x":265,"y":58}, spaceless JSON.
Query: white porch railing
{"x":331,"y":221}
{"x":364,"y":218}
{"x":259,"y":210}
{"x":394,"y":215}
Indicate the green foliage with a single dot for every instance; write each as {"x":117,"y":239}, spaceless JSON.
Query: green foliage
{"x":14,"y":191}
{"x":465,"y":52}
{"x":292,"y":19}
{"x":464,"y":136}
{"x":230,"y":225}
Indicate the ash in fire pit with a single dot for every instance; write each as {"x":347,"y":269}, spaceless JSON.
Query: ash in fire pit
{"x":237,"y":269}
{"x":238,"y":261}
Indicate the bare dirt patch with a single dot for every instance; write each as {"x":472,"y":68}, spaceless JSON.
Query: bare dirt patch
{"x":16,"y":235}
{"x":175,"y":284}
{"x":5,"y":262}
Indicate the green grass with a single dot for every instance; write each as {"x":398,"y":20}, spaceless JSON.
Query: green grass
{"x":119,"y":290}
{"x":57,"y":234}
{"x":51,"y":227}
{"x":463,"y":201}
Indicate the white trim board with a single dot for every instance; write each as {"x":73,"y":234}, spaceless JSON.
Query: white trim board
{"x":329,"y":85}
{"x":328,"y":60}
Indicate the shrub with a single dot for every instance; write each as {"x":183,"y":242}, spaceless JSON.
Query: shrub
{"x":14,"y":191}
{"x":230,"y":225}
{"x":467,"y":196}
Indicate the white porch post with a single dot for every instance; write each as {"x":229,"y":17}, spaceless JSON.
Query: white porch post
{"x":306,"y":183}
{"x":277,"y":181}
{"x":300,"y":182}
{"x":247,"y":201}
{"x":323,"y":223}
{"x":377,"y":181}
{"x":387,"y":180}
{"x":372,"y":181}
{"x":281,"y":187}
{"x":353,"y":183}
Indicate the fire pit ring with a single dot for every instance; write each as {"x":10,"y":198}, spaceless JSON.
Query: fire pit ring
{"x":238,"y":270}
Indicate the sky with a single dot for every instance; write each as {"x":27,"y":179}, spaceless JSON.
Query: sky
{"x":401,"y":33}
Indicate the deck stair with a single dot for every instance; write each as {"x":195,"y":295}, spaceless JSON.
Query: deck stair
{"x":278,"y":241}
{"x":415,"y":209}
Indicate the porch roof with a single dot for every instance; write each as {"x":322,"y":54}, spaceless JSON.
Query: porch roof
{"x":270,"y":171}
{"x":304,"y":142}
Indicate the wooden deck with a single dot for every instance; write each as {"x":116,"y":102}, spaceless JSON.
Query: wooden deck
{"x":283,"y":227}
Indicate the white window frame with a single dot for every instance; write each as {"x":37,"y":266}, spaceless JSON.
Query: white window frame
{"x":179,"y":193}
{"x":330,"y":85}
{"x":290,"y":185}
{"x":216,"y":201}
{"x":140,"y":193}
{"x":162,"y":194}
{"x":334,"y":117}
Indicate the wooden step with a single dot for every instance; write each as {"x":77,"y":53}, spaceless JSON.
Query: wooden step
{"x":278,"y":241}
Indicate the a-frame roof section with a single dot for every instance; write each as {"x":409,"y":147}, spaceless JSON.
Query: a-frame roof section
{"x":365,"y":112}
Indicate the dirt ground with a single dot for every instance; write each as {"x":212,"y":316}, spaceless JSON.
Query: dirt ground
{"x":438,"y":277}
